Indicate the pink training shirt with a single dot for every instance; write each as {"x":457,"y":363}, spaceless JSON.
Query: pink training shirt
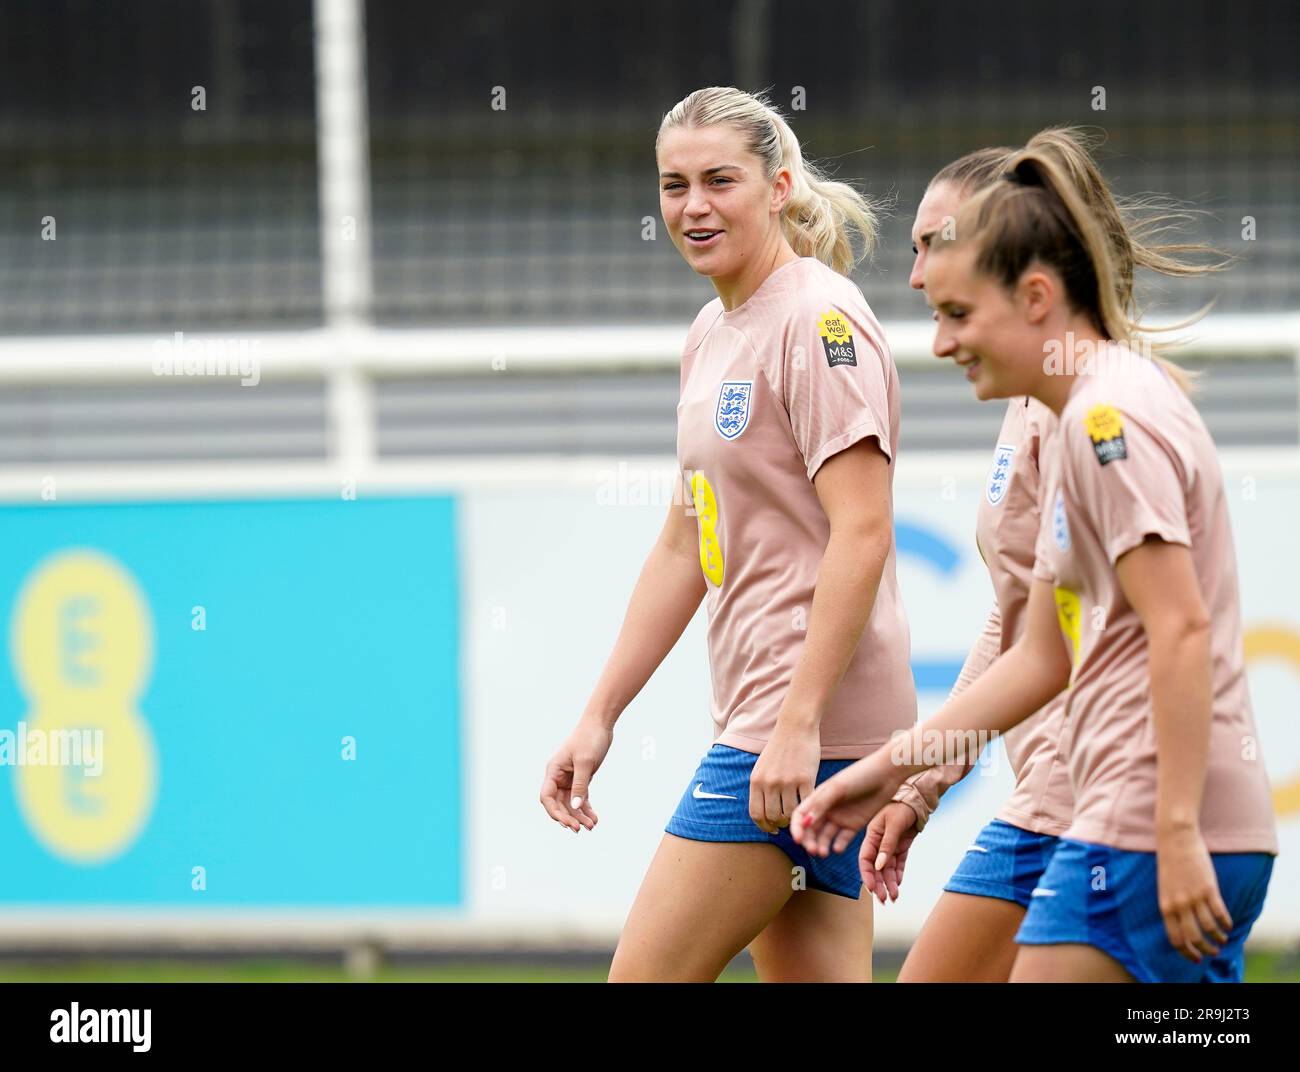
{"x":769,"y":391}
{"x":1006,"y":531}
{"x":1132,"y":458}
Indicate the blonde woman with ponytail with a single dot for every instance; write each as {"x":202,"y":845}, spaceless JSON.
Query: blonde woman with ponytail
{"x":1133,"y":606}
{"x":787,"y":430}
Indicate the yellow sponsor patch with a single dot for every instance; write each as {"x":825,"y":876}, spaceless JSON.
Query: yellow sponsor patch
{"x":832,"y":325}
{"x":1105,"y":428}
{"x":1103,"y":422}
{"x":837,"y":338}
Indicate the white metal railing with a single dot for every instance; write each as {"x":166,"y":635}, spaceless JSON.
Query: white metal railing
{"x":385,"y":351}
{"x":352,"y":356}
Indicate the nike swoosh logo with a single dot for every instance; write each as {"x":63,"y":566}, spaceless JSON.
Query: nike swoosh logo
{"x":1038,"y":891}
{"x":700,"y":794}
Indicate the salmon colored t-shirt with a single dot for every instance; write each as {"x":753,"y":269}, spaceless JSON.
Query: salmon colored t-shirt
{"x":1006,"y":532}
{"x":769,"y":391}
{"x":1133,"y":458}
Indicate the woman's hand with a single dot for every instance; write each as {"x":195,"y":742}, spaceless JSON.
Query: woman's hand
{"x":830,"y":819}
{"x":565,"y":787}
{"x":884,"y":850}
{"x":1195,"y":915}
{"x":785,"y":773}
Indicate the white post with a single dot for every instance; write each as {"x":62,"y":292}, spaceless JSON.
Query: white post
{"x":343,"y":159}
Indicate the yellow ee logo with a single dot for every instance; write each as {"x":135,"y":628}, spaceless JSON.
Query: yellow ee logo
{"x":81,"y":640}
{"x":1277,"y":642}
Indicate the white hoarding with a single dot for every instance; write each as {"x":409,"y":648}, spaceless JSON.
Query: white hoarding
{"x":548,"y":566}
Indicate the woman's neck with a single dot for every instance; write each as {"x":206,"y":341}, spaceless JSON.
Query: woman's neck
{"x":738,"y":289}
{"x":1068,"y":353}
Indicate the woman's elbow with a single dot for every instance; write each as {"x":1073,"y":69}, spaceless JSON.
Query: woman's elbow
{"x":1189,"y":631}
{"x":869,"y":540}
{"x":1047,"y":657}
{"x":1061,"y":668}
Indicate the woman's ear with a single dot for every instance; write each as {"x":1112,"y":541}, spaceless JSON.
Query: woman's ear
{"x":1036,"y":294}
{"x":782,"y":188}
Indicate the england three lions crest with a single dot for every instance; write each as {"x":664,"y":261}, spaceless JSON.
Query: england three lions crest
{"x":732,"y":414}
{"x":1000,"y":474}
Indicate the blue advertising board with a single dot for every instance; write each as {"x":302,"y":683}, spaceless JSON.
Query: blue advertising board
{"x":235,"y":703}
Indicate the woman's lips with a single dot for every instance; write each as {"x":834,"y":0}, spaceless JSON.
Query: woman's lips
{"x":705,"y":243}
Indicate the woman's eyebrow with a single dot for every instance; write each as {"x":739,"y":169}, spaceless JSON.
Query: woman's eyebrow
{"x":707,"y":171}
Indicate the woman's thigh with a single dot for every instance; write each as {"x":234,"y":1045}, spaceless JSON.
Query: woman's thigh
{"x":1067,"y":963}
{"x":817,"y":937}
{"x":966,"y":939}
{"x":700,"y":903}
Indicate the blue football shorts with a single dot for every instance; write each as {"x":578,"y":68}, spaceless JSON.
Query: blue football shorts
{"x":715,"y":807}
{"x":1005,"y":862}
{"x":1104,"y":897}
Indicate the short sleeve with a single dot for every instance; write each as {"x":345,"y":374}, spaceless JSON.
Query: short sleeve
{"x":704,"y":320}
{"x":833,"y":385}
{"x":1043,"y":570}
{"x":1040,"y":424}
{"x":1049,"y":468}
{"x":1125,"y":480}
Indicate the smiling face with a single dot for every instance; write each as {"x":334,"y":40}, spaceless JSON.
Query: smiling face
{"x":996,"y":335}
{"x":712,"y":187}
{"x":940,"y":203}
